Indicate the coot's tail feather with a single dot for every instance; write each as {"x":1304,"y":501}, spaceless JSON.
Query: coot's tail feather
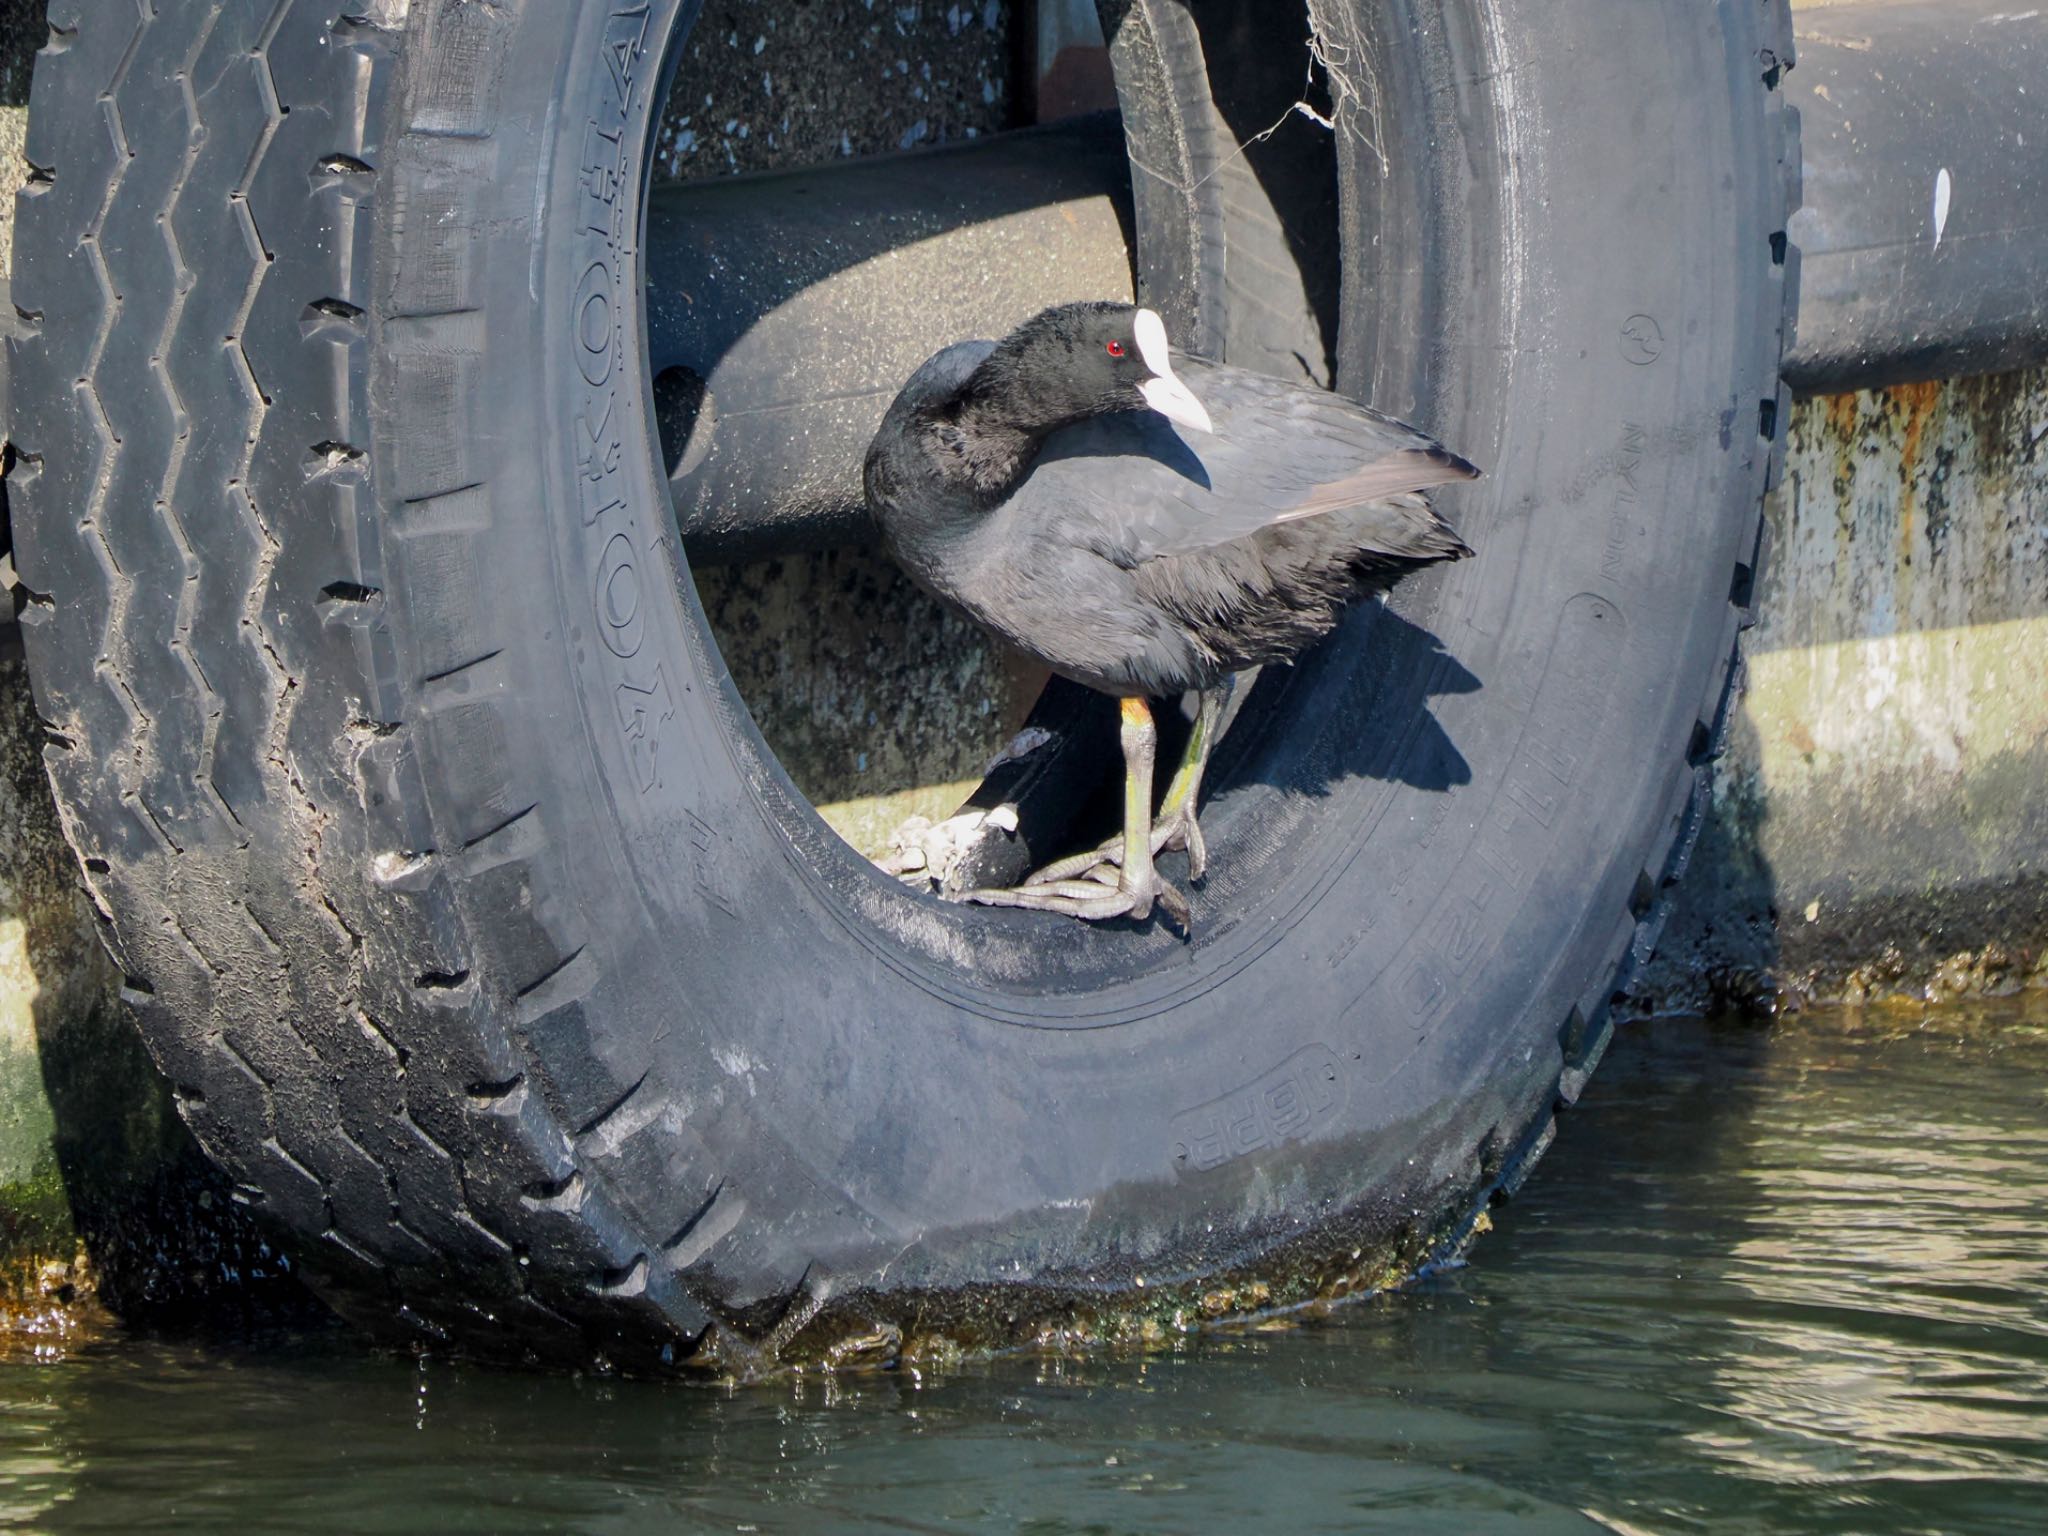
{"x":1442,"y":540}
{"x":1400,"y":473}
{"x":1404,"y":528}
{"x":1444,"y":544}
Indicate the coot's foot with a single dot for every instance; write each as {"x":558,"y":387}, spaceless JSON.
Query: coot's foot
{"x":1184,"y":832}
{"x":1135,"y":884}
{"x":1175,"y":830}
{"x":1092,"y":899}
{"x":1176,"y":827}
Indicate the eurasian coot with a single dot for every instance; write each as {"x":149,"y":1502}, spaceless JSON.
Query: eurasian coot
{"x":1039,"y":486}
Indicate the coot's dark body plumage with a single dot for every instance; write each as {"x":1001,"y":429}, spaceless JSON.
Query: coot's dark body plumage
{"x":1026,"y":483}
{"x":1138,"y":559}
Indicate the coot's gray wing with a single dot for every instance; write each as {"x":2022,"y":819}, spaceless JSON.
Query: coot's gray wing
{"x":1136,"y":489}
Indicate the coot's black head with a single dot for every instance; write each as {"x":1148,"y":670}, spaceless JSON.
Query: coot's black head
{"x":1079,"y":360}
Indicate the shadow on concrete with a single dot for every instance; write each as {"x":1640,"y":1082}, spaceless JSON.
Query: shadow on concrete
{"x":1768,"y":918}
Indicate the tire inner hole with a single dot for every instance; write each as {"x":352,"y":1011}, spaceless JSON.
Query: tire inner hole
{"x":878,"y":702}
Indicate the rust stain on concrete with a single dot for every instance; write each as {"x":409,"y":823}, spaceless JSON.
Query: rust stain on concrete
{"x":1917,"y":404}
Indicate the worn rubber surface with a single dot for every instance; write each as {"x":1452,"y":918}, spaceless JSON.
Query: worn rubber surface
{"x":484,"y":943}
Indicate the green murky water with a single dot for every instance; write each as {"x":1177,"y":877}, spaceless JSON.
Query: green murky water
{"x":1769,"y":1280}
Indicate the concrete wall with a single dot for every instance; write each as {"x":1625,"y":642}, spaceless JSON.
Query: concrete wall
{"x":1880,"y":822}
{"x":879,"y":703}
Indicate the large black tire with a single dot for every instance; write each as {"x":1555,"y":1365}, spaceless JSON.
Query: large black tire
{"x":482,"y":939}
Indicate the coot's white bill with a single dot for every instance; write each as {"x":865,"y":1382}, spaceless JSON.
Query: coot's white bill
{"x":1176,"y":402}
{"x":1165,"y":393}
{"x":1153,"y":350}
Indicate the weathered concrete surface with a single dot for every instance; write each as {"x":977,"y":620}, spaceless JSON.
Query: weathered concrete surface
{"x":880,"y":703}
{"x":768,"y":85}
{"x":1880,"y":822}
{"x":50,"y":965}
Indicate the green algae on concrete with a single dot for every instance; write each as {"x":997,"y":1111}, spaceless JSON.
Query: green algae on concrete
{"x":51,"y":965}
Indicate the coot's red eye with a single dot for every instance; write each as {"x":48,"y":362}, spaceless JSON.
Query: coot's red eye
{"x":1116,"y":348}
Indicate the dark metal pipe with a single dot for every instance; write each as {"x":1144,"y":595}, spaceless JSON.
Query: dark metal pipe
{"x":785,"y":311}
{"x":1924,"y":238}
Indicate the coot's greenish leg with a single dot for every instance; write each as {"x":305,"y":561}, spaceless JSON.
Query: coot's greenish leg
{"x":1137,"y":883}
{"x":1177,"y":815}
{"x":1176,"y":826}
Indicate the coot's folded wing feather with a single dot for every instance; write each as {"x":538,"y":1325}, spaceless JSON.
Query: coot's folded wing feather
{"x":1140,"y":490}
